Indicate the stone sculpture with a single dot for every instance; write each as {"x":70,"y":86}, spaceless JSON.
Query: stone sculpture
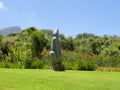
{"x":56,"y":52}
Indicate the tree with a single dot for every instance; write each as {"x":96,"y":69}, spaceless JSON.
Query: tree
{"x":47,"y":32}
{"x":67,"y":44}
{"x":83,"y":45}
{"x":4,"y":48}
{"x":85,"y":35}
{"x":28,"y":31}
{"x":38,"y":43}
{"x":111,"y":51}
{"x":0,"y":46}
{"x":96,"y":47}
{"x":48,"y":35}
{"x":1,"y":38}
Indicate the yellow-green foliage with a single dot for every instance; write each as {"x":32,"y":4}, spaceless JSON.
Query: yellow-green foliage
{"x":110,"y":69}
{"x":85,"y":52}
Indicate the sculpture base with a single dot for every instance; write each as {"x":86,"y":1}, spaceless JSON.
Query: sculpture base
{"x":58,"y":67}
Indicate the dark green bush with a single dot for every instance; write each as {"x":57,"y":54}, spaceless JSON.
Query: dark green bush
{"x":10,"y":65}
{"x":15,"y":65}
{"x":34,"y":63}
{"x":38,"y":43}
{"x":27,"y":63}
{"x":108,"y":61}
{"x":37,"y":64}
{"x":84,"y":65}
{"x":4,"y":65}
{"x":67,"y":65}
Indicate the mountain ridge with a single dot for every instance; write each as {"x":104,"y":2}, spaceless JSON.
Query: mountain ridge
{"x":9,"y":30}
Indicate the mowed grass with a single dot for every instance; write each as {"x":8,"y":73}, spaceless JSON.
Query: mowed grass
{"x":36,"y":79}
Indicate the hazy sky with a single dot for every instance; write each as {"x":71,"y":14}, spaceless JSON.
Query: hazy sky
{"x":71,"y":17}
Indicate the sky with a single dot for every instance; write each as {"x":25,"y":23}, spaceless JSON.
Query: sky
{"x":71,"y":17}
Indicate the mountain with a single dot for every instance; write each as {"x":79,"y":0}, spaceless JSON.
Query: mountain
{"x":10,"y":30}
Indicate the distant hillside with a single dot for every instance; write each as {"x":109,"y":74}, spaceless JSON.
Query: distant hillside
{"x":10,"y":30}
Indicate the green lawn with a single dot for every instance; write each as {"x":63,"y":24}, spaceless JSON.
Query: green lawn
{"x":28,"y":79}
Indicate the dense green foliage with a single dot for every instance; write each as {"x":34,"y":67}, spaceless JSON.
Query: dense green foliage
{"x":22,"y":79}
{"x":38,"y":43}
{"x":67,"y":43}
{"x":30,"y":49}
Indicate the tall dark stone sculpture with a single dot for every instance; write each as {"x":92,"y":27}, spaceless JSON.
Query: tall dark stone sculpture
{"x":56,"y":52}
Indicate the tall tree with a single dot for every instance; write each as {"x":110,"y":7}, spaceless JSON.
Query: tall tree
{"x":67,"y":44}
{"x":38,"y":43}
{"x":85,"y":35}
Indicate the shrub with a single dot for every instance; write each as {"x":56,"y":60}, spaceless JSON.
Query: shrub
{"x":67,"y":65}
{"x":38,"y":43}
{"x":15,"y":65}
{"x":78,"y":61}
{"x":34,"y":63}
{"x":37,"y":64}
{"x":110,"y":69}
{"x":67,"y":44}
{"x":108,"y":61}
{"x":84,"y":65}
{"x":27,"y":63}
{"x":4,"y":65}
